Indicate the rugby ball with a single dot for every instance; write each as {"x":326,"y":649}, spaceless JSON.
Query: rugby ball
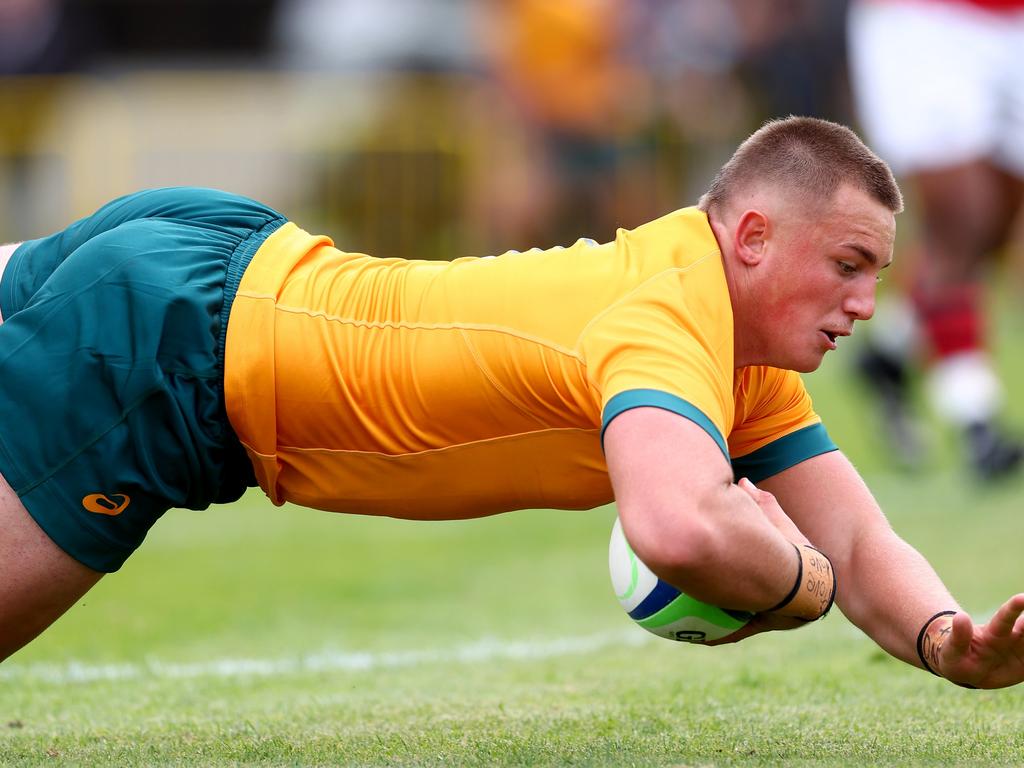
{"x":659,"y":607}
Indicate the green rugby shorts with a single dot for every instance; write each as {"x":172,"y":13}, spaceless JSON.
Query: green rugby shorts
{"x":111,"y":367}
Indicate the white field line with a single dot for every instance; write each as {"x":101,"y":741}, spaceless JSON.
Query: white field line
{"x":487,"y":649}
{"x":484,"y":650}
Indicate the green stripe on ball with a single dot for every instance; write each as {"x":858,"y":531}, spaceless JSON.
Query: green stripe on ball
{"x":685,"y":606}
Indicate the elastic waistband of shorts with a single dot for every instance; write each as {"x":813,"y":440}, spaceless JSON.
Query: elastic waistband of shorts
{"x":237,"y":264}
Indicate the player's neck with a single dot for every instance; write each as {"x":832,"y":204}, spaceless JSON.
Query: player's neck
{"x":739,"y":293}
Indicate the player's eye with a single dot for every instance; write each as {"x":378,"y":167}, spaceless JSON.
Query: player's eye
{"x":847,"y":268}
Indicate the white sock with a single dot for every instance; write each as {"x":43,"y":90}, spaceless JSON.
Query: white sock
{"x":964,"y":388}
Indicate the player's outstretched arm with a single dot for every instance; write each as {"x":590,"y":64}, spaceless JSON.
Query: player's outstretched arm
{"x":38,"y":580}
{"x":887,"y":588}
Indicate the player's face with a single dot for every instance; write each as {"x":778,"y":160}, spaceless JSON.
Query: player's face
{"x":821,"y":277}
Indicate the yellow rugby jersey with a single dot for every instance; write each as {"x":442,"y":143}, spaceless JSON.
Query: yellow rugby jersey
{"x":434,"y":390}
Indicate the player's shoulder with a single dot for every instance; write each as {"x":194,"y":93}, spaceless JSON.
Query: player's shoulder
{"x":680,"y":239}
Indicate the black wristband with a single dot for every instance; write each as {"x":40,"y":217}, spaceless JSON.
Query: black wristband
{"x":796,"y":585}
{"x":921,"y":636}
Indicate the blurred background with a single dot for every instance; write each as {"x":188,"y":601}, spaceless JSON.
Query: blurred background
{"x":411,"y":128}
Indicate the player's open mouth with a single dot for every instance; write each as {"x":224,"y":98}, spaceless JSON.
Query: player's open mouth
{"x":831,"y":336}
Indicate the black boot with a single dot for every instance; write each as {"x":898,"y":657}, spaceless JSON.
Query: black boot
{"x":888,"y":379}
{"x":992,"y":453}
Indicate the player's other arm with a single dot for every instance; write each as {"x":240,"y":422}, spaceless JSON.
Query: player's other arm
{"x":6,"y":251}
{"x":686,"y":520}
{"x":887,"y":588}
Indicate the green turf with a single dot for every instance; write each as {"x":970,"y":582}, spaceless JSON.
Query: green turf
{"x":249,"y":635}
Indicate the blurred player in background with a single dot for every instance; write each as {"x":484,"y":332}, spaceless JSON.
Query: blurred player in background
{"x":179,"y":345}
{"x":581,"y":105}
{"x":940,"y":89}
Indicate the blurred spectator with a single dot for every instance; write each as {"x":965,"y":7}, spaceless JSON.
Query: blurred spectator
{"x":43,"y":36}
{"x":581,"y":103}
{"x":628,"y":108}
{"x":793,"y":56}
{"x":691,"y":50}
{"x":940,"y":90}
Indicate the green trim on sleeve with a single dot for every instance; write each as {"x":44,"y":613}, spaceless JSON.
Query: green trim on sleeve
{"x":655,"y":398}
{"x":783,"y":453}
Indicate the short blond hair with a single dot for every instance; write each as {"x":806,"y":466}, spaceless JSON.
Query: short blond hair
{"x":808,"y":156}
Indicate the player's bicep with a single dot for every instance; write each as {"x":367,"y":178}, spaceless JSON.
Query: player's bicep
{"x":662,"y":466}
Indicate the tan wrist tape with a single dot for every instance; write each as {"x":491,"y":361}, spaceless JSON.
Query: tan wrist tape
{"x":932,"y":637}
{"x":815,"y":588}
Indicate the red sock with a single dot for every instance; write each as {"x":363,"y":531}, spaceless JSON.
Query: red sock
{"x":952,"y":319}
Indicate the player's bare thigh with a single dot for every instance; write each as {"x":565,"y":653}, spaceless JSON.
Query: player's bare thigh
{"x":38,"y":580}
{"x":5,"y":255}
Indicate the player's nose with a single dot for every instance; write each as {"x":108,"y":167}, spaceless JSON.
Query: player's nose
{"x":860,"y":303}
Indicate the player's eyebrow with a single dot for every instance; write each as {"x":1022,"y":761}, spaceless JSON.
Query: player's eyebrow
{"x":867,"y":253}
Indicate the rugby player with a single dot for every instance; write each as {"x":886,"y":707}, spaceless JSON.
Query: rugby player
{"x":180,"y":345}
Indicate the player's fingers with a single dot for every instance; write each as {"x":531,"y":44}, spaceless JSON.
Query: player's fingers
{"x":1004,"y":620}
{"x":750,"y":489}
{"x":770,"y":508}
{"x":752,"y":627}
{"x":764,"y":499}
{"x":755,"y":626}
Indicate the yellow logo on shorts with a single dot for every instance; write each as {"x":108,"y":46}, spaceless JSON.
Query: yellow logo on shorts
{"x":102,"y":504}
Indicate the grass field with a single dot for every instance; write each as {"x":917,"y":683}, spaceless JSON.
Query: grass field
{"x":249,"y":635}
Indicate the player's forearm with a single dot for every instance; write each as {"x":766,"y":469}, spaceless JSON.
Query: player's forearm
{"x":885,"y":586}
{"x":889,"y":590}
{"x":721,"y":550}
{"x":686,"y":519}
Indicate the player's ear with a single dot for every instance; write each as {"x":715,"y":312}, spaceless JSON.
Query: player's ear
{"x":750,"y":236}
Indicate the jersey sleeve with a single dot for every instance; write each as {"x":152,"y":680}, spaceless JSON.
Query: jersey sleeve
{"x":776,"y":426}
{"x":654,"y":348}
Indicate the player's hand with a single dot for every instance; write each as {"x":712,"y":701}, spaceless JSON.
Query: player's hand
{"x":988,"y":655}
{"x":762,"y":622}
{"x":769,"y":506}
